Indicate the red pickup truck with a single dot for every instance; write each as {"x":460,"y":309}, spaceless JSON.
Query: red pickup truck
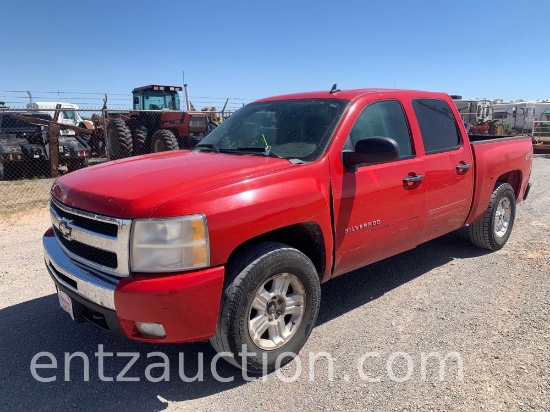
{"x":231,"y":241}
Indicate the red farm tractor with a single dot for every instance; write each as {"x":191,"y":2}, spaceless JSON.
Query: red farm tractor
{"x":156,"y":124}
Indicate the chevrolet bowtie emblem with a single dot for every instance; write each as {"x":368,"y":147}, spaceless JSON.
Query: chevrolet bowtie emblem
{"x":65,"y":228}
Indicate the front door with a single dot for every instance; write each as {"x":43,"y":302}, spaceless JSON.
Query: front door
{"x":379,"y":210}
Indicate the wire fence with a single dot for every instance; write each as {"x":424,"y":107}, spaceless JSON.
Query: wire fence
{"x":45,"y":140}
{"x":118,"y":101}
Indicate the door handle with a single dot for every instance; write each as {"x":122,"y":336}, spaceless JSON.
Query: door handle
{"x":462,"y":167}
{"x":413,"y":179}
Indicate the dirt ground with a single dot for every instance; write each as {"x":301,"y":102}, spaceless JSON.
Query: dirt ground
{"x":489,"y":311}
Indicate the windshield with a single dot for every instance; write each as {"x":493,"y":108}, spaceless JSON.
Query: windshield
{"x":289,"y":129}
{"x":161,"y":100}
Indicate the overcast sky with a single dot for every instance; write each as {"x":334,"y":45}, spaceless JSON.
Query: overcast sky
{"x":252,"y":49}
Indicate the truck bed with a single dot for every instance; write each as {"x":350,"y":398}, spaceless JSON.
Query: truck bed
{"x":487,"y":138}
{"x":496,"y":156}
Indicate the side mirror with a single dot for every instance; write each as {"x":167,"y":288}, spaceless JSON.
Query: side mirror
{"x":371,"y":150}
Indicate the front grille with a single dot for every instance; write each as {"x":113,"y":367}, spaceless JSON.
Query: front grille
{"x":93,"y":254}
{"x":99,"y":242}
{"x":86,"y":223}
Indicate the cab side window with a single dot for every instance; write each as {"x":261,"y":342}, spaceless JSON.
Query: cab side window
{"x":68,"y":114}
{"x":437,"y":125}
{"x":384,"y":119}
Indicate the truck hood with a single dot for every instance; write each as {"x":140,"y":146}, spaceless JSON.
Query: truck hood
{"x":137,"y":186}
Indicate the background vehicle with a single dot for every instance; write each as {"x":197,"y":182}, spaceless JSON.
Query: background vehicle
{"x":69,"y":115}
{"x":521,"y":114}
{"x":478,"y":117}
{"x":25,"y":147}
{"x":541,"y":129}
{"x":156,"y":123}
{"x":231,"y":241}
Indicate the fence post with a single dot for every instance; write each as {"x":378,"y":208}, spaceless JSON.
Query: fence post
{"x":106,"y":135}
{"x":53,"y":132}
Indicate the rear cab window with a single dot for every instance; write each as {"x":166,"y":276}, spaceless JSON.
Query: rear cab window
{"x":437,"y":125}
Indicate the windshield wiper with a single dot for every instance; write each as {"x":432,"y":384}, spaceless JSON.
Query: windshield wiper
{"x":210,"y":146}
{"x":252,"y":150}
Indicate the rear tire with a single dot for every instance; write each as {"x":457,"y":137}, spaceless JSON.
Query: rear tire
{"x":120,"y":139}
{"x":163,"y":140}
{"x":139,"y":136}
{"x":493,"y":230}
{"x":270,"y":303}
{"x":494,"y":127}
{"x":75,"y":164}
{"x":10,"y":171}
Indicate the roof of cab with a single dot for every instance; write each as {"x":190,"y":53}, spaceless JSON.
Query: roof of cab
{"x":352,"y":94}
{"x":51,"y":105}
{"x":158,"y":87}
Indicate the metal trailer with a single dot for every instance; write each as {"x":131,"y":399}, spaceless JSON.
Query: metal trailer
{"x":521,"y":114}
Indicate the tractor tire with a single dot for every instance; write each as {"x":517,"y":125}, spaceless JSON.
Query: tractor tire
{"x":494,"y":128}
{"x":494,"y":228}
{"x":270,"y":302}
{"x":120,"y":139}
{"x":163,"y":140}
{"x":139,"y":136}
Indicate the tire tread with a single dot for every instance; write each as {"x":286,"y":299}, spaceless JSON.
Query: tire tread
{"x":481,"y":230}
{"x":235,"y":285}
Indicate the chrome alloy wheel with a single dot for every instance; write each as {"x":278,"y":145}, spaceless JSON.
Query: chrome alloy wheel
{"x":502,"y":217}
{"x":276,"y":312}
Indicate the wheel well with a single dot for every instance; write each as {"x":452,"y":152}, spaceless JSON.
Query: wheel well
{"x":305,"y":237}
{"x":513,"y":178}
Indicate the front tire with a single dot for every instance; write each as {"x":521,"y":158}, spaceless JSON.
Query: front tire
{"x":269,"y":306}
{"x":493,"y":230}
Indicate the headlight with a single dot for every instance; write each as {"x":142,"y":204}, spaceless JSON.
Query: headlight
{"x":169,"y":245}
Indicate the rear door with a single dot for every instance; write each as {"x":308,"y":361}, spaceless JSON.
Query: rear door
{"x":378,"y":212}
{"x":448,"y":162}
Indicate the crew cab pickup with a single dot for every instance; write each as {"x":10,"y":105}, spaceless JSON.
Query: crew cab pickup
{"x":231,"y":241}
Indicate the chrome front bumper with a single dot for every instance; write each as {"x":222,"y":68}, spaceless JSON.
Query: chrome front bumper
{"x":94,"y":286}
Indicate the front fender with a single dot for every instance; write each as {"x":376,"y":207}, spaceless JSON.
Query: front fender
{"x":242,"y":210}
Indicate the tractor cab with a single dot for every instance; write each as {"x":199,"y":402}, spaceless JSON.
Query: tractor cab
{"x":156,"y":97}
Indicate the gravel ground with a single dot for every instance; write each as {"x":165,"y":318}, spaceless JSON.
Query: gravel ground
{"x":489,"y":312}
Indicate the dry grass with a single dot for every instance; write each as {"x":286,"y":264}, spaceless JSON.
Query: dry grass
{"x":25,"y":195}
{"x":22,"y":195}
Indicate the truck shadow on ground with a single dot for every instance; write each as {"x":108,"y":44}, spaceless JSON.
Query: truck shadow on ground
{"x":39,"y":326}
